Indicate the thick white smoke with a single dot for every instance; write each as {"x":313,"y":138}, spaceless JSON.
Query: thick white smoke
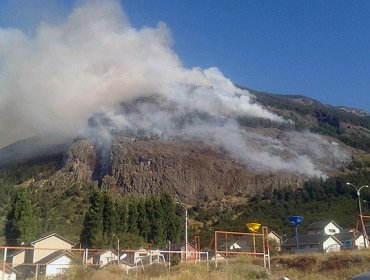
{"x":52,"y":82}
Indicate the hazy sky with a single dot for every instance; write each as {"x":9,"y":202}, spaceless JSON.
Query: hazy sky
{"x":320,"y":49}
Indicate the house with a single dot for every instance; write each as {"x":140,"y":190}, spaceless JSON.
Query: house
{"x":55,"y":264}
{"x":350,"y":240}
{"x":102,"y":258}
{"x":136,"y":257}
{"x":242,"y":245}
{"x":312,"y":243}
{"x":274,"y":237}
{"x":323,"y":227}
{"x":192,"y":252}
{"x":39,"y":249}
{"x":8,"y":273}
{"x":43,"y":255}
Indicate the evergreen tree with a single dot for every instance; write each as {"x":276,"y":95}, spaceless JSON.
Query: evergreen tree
{"x":171,"y":220}
{"x":109,"y":218}
{"x":133,"y":217}
{"x":143,"y":222}
{"x":92,"y":232}
{"x":122,"y":216}
{"x":22,"y":224}
{"x":156,"y":217}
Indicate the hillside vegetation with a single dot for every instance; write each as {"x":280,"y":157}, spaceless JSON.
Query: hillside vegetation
{"x":333,"y":266}
{"x":351,"y":128}
{"x":225,"y":195}
{"x":317,"y":200}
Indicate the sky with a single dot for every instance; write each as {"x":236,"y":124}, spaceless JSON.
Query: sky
{"x":319,"y":49}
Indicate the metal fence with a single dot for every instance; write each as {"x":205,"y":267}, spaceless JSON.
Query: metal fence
{"x":39,"y":263}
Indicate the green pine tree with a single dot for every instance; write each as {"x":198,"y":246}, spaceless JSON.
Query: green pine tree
{"x":133,"y":217}
{"x":92,"y":232}
{"x":122,"y":216}
{"x":109,"y":218}
{"x":22,"y":225}
{"x":156,"y":217}
{"x":143,"y":222}
{"x":172,"y":221}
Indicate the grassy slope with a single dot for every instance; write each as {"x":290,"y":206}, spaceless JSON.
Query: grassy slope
{"x":334,"y":266}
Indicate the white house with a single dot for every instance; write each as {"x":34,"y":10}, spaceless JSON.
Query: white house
{"x":272,"y":235}
{"x":324,"y":227}
{"x":352,"y":241}
{"x":102,"y":258}
{"x":38,"y":249}
{"x":9,"y":273}
{"x":55,"y":264}
{"x":312,"y":243}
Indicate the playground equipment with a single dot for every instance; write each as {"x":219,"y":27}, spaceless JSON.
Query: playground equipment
{"x":228,"y":244}
{"x":295,"y":221}
{"x":253,"y":228}
{"x":361,"y":223}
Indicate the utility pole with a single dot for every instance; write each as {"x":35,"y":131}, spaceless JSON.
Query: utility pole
{"x":358,"y":191}
{"x":186,"y":227}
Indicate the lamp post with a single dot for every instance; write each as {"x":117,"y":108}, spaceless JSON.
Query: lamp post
{"x":186,"y":227}
{"x":358,"y":194}
{"x":358,"y":190}
{"x":117,"y":248}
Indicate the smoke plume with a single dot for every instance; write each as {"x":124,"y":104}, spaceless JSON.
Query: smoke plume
{"x":54,"y":81}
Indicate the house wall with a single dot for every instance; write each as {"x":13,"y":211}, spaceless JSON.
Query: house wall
{"x":272,"y":236}
{"x":58,"y":266}
{"x":312,"y":248}
{"x":104,"y":258}
{"x":18,"y":259}
{"x":359,"y":242}
{"x":134,"y":257}
{"x":192,"y":253}
{"x":51,"y":242}
{"x":7,"y":276}
{"x":330,"y":245}
{"x":331,"y":229}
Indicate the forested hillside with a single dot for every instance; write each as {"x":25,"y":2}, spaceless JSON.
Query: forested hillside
{"x":220,"y":192}
{"x":351,"y":128}
{"x":318,"y":200}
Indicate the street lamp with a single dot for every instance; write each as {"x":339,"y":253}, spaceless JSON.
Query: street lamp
{"x":186,"y":227}
{"x":358,"y":194}
{"x":117,"y":247}
{"x":359,"y":207}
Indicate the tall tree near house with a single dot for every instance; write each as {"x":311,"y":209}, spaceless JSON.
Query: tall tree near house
{"x":133,"y":217}
{"x":22,"y":225}
{"x":109,"y":218}
{"x":92,"y":232}
{"x":122,"y":216}
{"x":172,"y":222}
{"x":143,"y":223}
{"x":155,"y":214}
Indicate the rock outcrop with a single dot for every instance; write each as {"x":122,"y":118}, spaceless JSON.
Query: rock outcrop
{"x":191,"y":171}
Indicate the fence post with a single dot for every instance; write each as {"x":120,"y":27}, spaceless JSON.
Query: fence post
{"x":4,"y":262}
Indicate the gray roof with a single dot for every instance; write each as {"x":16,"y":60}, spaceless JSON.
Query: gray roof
{"x":321,"y":225}
{"x":308,"y":240}
{"x":55,"y":255}
{"x":343,"y":236}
